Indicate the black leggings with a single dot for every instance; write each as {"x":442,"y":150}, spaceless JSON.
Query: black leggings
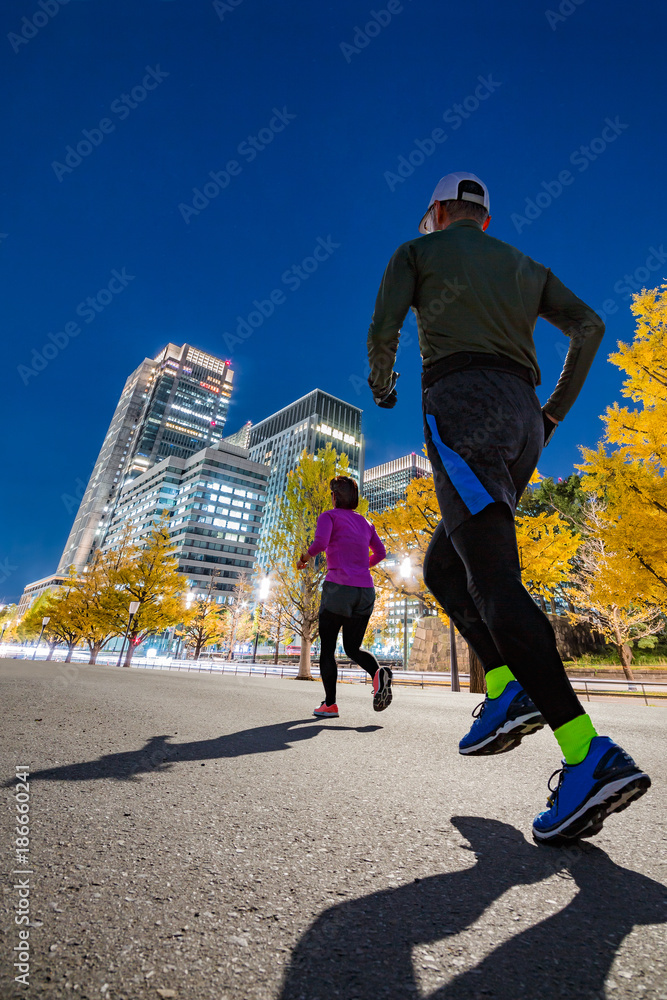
{"x":354,"y":630}
{"x":475,"y":575}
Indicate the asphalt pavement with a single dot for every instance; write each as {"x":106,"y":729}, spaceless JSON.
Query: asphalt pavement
{"x":196,"y":837}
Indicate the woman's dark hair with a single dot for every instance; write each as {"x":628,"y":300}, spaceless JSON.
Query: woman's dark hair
{"x":345,"y":491}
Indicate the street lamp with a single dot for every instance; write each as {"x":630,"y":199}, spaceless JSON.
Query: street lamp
{"x":134,"y":607}
{"x":5,"y":625}
{"x":264,"y":585}
{"x":45,"y":622}
{"x":406,"y":573}
{"x":453,"y":658}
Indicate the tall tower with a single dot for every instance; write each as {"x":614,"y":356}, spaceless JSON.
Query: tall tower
{"x":171,"y":407}
{"x":385,"y":485}
{"x":312,"y":422}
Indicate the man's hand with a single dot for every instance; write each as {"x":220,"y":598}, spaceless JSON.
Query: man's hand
{"x":303,"y":559}
{"x":550,"y":425}
{"x":388,"y":397}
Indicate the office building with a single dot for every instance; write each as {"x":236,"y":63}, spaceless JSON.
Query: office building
{"x":37,"y":589}
{"x":214,"y":503}
{"x":241,"y":438}
{"x":171,"y":407}
{"x":386,"y":485}
{"x":312,"y":422}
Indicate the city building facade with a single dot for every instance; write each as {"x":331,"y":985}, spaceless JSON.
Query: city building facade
{"x":312,"y":422}
{"x":37,"y":589}
{"x":386,"y":485}
{"x":213,"y":504}
{"x":171,"y":407}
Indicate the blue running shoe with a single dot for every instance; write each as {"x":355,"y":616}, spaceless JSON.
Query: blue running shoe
{"x":606,"y":781}
{"x":501,"y":723}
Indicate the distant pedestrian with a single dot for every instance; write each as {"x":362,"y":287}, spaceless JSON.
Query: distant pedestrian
{"x":477,"y":301}
{"x":348,"y":594}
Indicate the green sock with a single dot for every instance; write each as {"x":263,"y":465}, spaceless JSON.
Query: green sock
{"x":497,"y":680}
{"x":575,"y":738}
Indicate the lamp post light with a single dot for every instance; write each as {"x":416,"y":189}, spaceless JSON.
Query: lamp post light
{"x":5,"y":625}
{"x":264,"y":585}
{"x":45,"y":622}
{"x":453,"y":658}
{"x":406,"y":573}
{"x":134,"y":607}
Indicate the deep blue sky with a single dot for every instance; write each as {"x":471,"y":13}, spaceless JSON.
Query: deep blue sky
{"x":322,"y":176}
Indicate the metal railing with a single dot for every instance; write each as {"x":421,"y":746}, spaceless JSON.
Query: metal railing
{"x":600,"y":687}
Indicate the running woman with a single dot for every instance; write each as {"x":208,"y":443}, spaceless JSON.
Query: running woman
{"x":348,"y":594}
{"x":477,"y":301}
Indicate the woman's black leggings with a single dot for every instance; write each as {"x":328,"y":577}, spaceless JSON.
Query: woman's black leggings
{"x":475,"y":575}
{"x":354,"y":630}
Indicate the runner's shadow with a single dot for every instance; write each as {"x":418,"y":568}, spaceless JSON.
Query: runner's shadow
{"x":362,"y":949}
{"x":159,"y":754}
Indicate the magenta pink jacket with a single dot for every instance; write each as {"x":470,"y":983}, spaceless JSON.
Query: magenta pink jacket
{"x":346,"y":537}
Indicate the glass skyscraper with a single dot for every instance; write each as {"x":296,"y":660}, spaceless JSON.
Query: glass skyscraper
{"x":385,"y":485}
{"x":312,"y":422}
{"x":171,"y":407}
{"x":214,"y":502}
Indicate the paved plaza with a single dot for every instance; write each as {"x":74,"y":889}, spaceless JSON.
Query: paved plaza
{"x":205,"y":838}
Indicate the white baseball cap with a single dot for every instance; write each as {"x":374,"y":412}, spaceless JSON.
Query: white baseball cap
{"x":451,"y":188}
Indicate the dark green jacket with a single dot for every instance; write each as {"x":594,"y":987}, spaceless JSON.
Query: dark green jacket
{"x":471,"y":292}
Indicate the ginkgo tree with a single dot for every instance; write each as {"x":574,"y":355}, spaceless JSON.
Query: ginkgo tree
{"x":62,"y":607}
{"x":608,"y":600}
{"x":627,"y":469}
{"x":547,"y":545}
{"x":145,"y":572}
{"x":236,"y":615}
{"x":203,"y":625}
{"x":274,"y":622}
{"x":406,"y":531}
{"x":307,"y":495}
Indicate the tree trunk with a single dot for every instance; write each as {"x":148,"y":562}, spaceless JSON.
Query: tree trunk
{"x":52,"y":646}
{"x":230,"y":654}
{"x":304,"y":673}
{"x":70,"y":650}
{"x":543,"y":604}
{"x":198,"y":649}
{"x":625,"y":655}
{"x":94,"y":653}
{"x":477,"y":685}
{"x":128,"y":655}
{"x":275,"y":654}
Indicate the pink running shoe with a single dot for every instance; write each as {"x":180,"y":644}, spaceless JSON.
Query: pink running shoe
{"x":326,"y":711}
{"x":382,"y":689}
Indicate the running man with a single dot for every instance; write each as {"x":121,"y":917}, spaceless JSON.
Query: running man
{"x":476,"y":301}
{"x":348,"y":594}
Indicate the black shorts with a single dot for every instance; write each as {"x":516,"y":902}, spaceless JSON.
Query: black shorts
{"x":484,"y":435}
{"x":351,"y":602}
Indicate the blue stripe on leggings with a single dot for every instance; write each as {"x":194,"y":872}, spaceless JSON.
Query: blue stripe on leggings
{"x":463,"y":479}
